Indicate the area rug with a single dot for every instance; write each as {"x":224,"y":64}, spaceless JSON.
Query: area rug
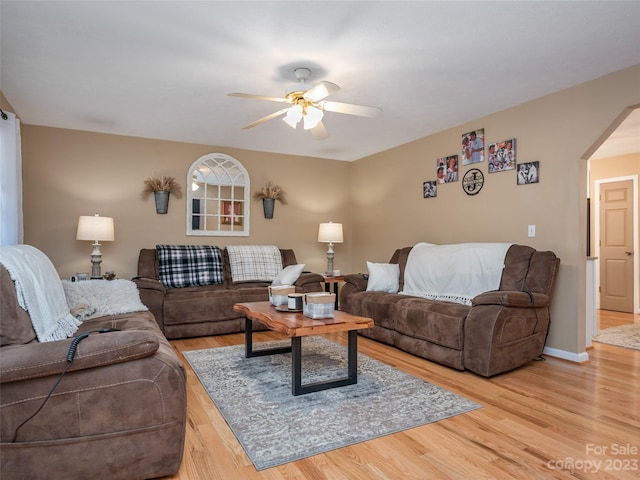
{"x":274,"y":427}
{"x":627,"y":336}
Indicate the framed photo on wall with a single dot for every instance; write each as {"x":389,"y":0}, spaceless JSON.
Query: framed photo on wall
{"x":473,"y":147}
{"x":429,"y":189}
{"x":447,"y":169}
{"x":528,"y":173}
{"x":502,"y":156}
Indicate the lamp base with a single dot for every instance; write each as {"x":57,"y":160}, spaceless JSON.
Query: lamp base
{"x":96,"y":260}
{"x":330,"y":255}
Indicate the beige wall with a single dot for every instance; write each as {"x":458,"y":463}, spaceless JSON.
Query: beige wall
{"x":69,"y":173}
{"x":5,"y":105}
{"x":378,"y":198}
{"x":557,"y":130}
{"x":613,"y":167}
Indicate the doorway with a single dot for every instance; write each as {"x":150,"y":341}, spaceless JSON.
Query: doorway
{"x":614,"y":170}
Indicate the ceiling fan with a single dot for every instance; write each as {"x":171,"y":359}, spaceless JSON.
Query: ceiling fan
{"x":308,"y":104}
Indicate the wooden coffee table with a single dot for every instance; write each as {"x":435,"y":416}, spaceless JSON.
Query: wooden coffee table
{"x":296,"y":326}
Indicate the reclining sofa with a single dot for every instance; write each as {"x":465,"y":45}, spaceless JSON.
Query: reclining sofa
{"x":499,"y":331}
{"x":202,"y":310}
{"x":118,"y":411}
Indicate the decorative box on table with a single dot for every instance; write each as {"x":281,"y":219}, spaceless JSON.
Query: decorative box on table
{"x":319,"y":305}
{"x":279,"y":295}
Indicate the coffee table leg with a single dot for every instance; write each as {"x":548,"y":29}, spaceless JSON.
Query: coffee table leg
{"x":248,"y":343}
{"x":248,"y":338}
{"x":296,"y":368}
{"x":352,"y":352}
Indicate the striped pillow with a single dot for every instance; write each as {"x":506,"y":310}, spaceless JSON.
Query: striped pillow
{"x":189,"y":265}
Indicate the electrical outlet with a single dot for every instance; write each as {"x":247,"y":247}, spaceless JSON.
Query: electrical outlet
{"x":532,"y":231}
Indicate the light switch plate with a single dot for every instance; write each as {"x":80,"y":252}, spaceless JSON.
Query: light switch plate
{"x":531,"y":230}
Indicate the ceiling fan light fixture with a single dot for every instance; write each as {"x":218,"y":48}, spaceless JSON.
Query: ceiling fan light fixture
{"x":312,"y":117}
{"x":293,"y":116}
{"x":304,"y":101}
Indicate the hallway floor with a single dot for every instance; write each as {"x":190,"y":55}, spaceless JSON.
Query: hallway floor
{"x":609,"y":318}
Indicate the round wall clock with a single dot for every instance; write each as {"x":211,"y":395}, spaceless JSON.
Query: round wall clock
{"x":472,"y":181}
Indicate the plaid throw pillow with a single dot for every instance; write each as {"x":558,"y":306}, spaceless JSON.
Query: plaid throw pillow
{"x":189,"y":265}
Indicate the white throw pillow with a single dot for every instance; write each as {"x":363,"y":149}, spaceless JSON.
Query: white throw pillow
{"x":383,"y":277}
{"x":288,"y":275}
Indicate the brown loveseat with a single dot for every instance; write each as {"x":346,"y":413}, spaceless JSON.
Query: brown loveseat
{"x":204,"y":310}
{"x":500,"y":331}
{"x":118,"y":412}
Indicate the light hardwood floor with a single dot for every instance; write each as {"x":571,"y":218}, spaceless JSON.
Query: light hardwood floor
{"x":609,"y":318}
{"x":550,"y":419}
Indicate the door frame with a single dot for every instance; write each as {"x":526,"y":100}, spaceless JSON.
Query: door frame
{"x":636,"y":253}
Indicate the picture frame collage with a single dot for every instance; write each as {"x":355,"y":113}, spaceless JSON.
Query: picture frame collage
{"x":500,"y":157}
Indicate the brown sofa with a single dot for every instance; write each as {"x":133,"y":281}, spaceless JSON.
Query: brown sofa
{"x":207,"y":309}
{"x":500,"y":331}
{"x":119,"y":411}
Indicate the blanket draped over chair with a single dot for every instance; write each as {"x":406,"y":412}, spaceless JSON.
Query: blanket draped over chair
{"x":97,"y":298}
{"x":260,"y":263}
{"x":454,"y":273}
{"x":39,"y":291}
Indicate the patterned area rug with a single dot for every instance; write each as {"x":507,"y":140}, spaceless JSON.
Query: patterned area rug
{"x":274,"y":427}
{"x":627,"y":336}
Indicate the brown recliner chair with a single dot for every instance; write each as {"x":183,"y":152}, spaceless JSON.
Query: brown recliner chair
{"x":118,"y":412}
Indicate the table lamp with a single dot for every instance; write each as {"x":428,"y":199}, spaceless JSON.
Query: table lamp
{"x":330,"y":233}
{"x":95,"y":228}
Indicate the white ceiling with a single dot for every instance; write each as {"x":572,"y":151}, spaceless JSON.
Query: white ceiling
{"x":163,"y":69}
{"x":624,"y":140}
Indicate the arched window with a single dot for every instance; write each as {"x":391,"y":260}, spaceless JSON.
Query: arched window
{"x":217,"y":197}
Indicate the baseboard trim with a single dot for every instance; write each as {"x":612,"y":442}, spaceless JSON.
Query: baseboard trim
{"x":563,"y":354}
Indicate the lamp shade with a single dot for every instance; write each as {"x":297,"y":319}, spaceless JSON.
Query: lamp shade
{"x":95,"y":228}
{"x":330,"y":233}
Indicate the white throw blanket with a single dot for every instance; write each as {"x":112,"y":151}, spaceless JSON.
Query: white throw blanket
{"x":95,"y":298}
{"x":39,"y":291}
{"x":254,"y":262}
{"x":454,"y":273}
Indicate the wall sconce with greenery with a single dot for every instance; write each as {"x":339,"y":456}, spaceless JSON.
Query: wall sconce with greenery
{"x":269,"y":194}
{"x":162,"y":187}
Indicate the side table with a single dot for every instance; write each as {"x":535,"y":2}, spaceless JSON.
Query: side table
{"x":332,"y":280}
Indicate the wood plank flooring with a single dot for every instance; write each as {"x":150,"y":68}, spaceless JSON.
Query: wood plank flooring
{"x":551,"y":419}
{"x":609,"y":318}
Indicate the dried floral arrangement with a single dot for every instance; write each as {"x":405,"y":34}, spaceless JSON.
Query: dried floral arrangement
{"x":162,"y":184}
{"x":271,"y":191}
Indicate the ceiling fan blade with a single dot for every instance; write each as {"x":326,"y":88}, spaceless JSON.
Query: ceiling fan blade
{"x":264,"y":119}
{"x":351,"y":109}
{"x":320,"y":91}
{"x":259,"y":97}
{"x":319,"y":132}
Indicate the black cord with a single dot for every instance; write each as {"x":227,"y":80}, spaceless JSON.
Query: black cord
{"x":74,"y":347}
{"x":530,"y":295}
{"x":3,"y":115}
{"x":71,"y":354}
{"x":15,"y":435}
{"x":539,"y":358}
